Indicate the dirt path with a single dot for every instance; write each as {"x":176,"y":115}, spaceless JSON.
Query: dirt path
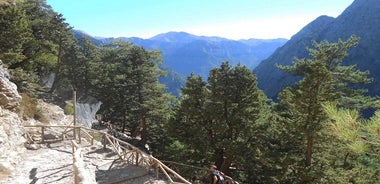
{"x":53,"y":164}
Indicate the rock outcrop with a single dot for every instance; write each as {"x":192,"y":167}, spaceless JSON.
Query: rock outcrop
{"x":9,"y":97}
{"x":11,"y":140}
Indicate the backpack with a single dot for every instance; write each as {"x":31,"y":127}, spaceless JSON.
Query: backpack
{"x":220,"y":177}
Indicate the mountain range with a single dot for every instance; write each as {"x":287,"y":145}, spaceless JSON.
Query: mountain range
{"x":184,"y":53}
{"x":361,"y":18}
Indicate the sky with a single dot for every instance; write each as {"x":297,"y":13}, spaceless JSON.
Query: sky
{"x":233,"y":19}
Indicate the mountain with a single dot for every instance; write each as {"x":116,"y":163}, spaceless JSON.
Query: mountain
{"x":361,"y":18}
{"x":184,"y":53}
{"x":80,"y":34}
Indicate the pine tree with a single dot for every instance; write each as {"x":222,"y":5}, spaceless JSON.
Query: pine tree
{"x":14,"y":34}
{"x":220,"y":119}
{"x":324,"y":79}
{"x":190,"y":124}
{"x":127,"y":84}
{"x":80,"y":66}
{"x":51,"y":37}
{"x":355,"y":155}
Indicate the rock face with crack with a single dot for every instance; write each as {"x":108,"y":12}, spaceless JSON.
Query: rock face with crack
{"x":9,"y":97}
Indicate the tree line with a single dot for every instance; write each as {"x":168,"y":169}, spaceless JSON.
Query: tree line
{"x":314,"y":133}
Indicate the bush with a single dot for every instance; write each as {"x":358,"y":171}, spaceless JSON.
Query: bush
{"x":69,"y":109}
{"x":39,"y":115}
{"x":28,"y":106}
{"x":29,"y":109}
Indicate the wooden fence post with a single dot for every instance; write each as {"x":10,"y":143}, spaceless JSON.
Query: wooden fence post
{"x":75,"y":112}
{"x":104,"y":142}
{"x":43,"y":134}
{"x":137,"y":158}
{"x":80,"y":139}
{"x":156,"y":170}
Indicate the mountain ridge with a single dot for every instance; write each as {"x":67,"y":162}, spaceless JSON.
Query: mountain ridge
{"x":184,"y":53}
{"x":361,"y":18}
{"x":212,"y":49}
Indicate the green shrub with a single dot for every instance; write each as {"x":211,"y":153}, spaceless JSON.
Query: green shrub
{"x":69,"y":109}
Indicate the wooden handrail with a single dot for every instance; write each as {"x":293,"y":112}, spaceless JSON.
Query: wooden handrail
{"x":141,"y":157}
{"x":90,"y":136}
{"x":170,"y":170}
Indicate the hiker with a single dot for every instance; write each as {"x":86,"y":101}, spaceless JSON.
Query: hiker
{"x":217,"y":177}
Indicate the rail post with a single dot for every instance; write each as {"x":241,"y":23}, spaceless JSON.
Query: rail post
{"x":75,"y":112}
{"x":79,"y":137}
{"x":42,"y":134}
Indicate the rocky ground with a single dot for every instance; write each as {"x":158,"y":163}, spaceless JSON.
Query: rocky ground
{"x":51,"y":162}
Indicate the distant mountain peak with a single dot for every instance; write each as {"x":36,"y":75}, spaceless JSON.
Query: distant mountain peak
{"x":314,"y":27}
{"x":361,"y":18}
{"x":174,"y":37}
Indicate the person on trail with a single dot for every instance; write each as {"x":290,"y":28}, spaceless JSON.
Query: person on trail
{"x":217,"y":177}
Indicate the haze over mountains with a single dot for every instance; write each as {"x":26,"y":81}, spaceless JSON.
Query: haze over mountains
{"x":186,"y":53}
{"x":361,"y":18}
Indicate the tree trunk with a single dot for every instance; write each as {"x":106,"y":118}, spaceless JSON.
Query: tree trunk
{"x":219,"y":157}
{"x":144,"y":130}
{"x":225,"y":168}
{"x":124,"y":123}
{"x":309,"y":150}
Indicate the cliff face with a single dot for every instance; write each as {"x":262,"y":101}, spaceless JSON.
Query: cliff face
{"x":11,"y":140}
{"x":361,"y":18}
{"x":9,"y":97}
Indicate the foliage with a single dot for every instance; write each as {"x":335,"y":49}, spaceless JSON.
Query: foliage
{"x":28,"y":106}
{"x":127,"y":84}
{"x":324,"y":79}
{"x":215,"y":121}
{"x":33,"y":39}
{"x":69,"y":109}
{"x":14,"y":33}
{"x":359,"y":141}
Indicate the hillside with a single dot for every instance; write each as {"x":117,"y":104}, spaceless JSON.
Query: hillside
{"x":361,"y":18}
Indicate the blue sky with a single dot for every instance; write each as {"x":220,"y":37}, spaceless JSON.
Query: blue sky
{"x":234,"y":19}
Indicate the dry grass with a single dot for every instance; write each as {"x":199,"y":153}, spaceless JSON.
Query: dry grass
{"x":29,"y":109}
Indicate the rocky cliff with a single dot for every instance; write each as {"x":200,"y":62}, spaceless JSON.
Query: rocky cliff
{"x":11,"y":140}
{"x":9,"y":97}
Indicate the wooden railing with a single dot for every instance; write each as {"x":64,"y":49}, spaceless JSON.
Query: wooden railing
{"x":80,"y":174}
{"x":125,"y":151}
{"x":198,"y":171}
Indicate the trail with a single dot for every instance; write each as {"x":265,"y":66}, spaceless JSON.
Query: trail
{"x":53,"y":164}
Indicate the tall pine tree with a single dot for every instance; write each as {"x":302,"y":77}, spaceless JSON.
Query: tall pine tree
{"x":324,"y":79}
{"x":218,"y":120}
